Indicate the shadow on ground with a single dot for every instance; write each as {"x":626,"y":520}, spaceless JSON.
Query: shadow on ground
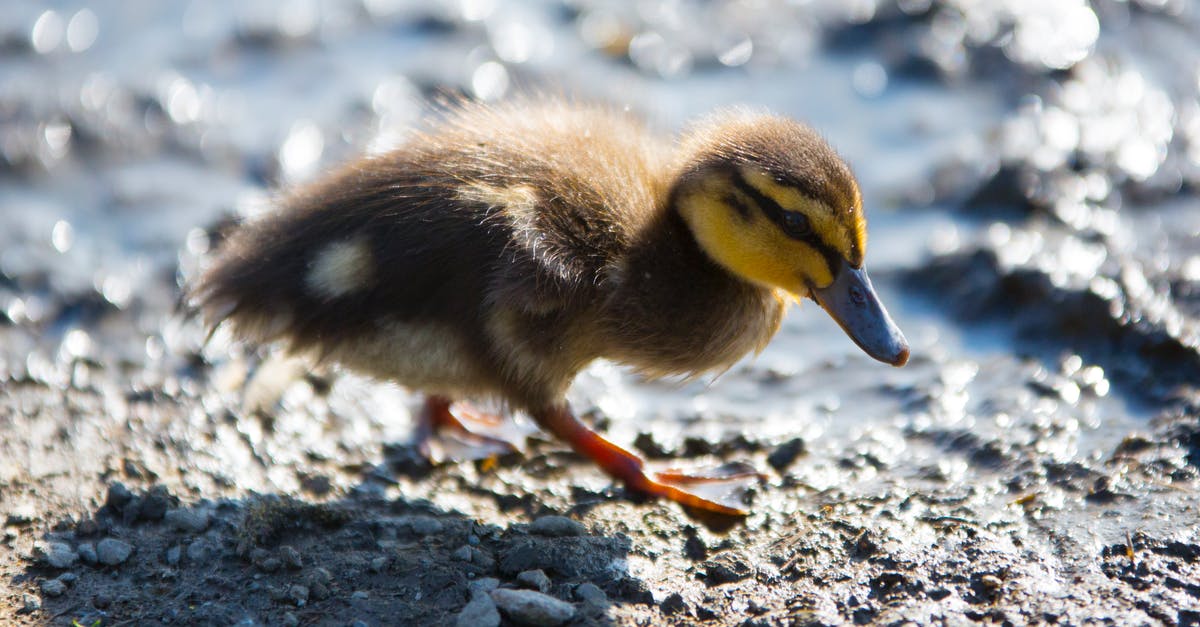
{"x":142,"y":558}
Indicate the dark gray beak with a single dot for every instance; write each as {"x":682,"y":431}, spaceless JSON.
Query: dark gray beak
{"x":852,"y":302}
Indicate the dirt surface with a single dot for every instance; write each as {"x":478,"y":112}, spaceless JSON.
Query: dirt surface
{"x":1037,"y":461}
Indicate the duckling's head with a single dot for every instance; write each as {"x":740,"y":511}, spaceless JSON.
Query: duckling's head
{"x":769,"y":200}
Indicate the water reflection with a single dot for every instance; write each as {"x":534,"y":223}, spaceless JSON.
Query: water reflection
{"x":47,"y":32}
{"x":62,"y":236}
{"x":489,"y":81}
{"x":300,"y":152}
{"x":82,"y":30}
{"x":1054,"y":35}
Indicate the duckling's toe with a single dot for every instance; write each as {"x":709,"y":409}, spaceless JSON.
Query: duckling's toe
{"x":456,"y":431}
{"x":721,"y":489}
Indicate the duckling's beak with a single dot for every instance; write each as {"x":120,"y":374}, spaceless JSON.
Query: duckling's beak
{"x":852,"y":302}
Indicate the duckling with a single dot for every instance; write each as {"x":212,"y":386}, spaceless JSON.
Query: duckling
{"x":503,"y":248}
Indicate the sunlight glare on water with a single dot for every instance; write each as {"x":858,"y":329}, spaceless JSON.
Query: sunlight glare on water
{"x":300,"y":152}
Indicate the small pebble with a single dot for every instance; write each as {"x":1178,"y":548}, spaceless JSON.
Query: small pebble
{"x":291,"y":557}
{"x":174,"y":554}
{"x":264,"y":561}
{"x":485,"y":585}
{"x":591,"y":594}
{"x":727,"y":567}
{"x":155,"y":504}
{"x":535,"y":579}
{"x":111,"y":551}
{"x":528,"y":607}
{"x":58,"y":554}
{"x":68,"y":578}
{"x":379,"y":564}
{"x":290,"y":619}
{"x":118,"y":496}
{"x":783,"y":456}
{"x":53,"y":587}
{"x":694,"y":547}
{"x":673,"y":604}
{"x":87,"y":553}
{"x":131,"y":510}
{"x":474,"y":555}
{"x":480,"y":612}
{"x":30,"y":603}
{"x":360,"y":595}
{"x":189,"y":521}
{"x":320,"y":575}
{"x":298,"y":594}
{"x":557,"y":526}
{"x":199,"y":552}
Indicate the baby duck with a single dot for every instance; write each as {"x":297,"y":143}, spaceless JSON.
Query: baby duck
{"x":505,"y":247}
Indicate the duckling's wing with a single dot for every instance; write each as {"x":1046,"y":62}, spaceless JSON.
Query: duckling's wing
{"x":376,"y":242}
{"x":518,"y":207}
{"x":570,"y":184}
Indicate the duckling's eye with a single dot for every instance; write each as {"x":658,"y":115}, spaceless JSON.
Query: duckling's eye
{"x":796,"y":224}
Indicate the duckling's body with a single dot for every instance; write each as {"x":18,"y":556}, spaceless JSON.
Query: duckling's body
{"x":499,"y":252}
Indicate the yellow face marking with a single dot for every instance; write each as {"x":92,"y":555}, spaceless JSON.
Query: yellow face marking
{"x":754,"y":248}
{"x":826,"y":222}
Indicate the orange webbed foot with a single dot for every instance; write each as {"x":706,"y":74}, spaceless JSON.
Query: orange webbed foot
{"x":719,"y":490}
{"x":457,"y":431}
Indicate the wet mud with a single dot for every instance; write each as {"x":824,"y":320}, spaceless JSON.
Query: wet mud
{"x":1034,"y":229}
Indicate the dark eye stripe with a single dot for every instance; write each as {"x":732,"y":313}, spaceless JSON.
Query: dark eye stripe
{"x":766,"y":203}
{"x":736,"y":202}
{"x":776,"y":214}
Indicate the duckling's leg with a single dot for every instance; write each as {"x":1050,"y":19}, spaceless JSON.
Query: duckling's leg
{"x":456,"y":431}
{"x":716,"y":491}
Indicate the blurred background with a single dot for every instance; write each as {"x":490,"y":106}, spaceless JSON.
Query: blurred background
{"x":1030,"y":170}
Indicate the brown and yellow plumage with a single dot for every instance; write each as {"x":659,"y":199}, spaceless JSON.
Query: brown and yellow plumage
{"x":502,"y":249}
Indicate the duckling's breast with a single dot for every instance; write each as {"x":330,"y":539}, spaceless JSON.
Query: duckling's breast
{"x":691,"y":345}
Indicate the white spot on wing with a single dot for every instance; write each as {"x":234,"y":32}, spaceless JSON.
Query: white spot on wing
{"x":340,"y":268}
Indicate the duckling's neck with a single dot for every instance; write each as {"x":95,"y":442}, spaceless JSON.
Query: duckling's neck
{"x":668,"y":260}
{"x":676,"y":311}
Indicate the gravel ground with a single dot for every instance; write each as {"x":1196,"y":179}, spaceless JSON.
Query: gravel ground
{"x":1036,"y":462}
{"x":1002,"y":529}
